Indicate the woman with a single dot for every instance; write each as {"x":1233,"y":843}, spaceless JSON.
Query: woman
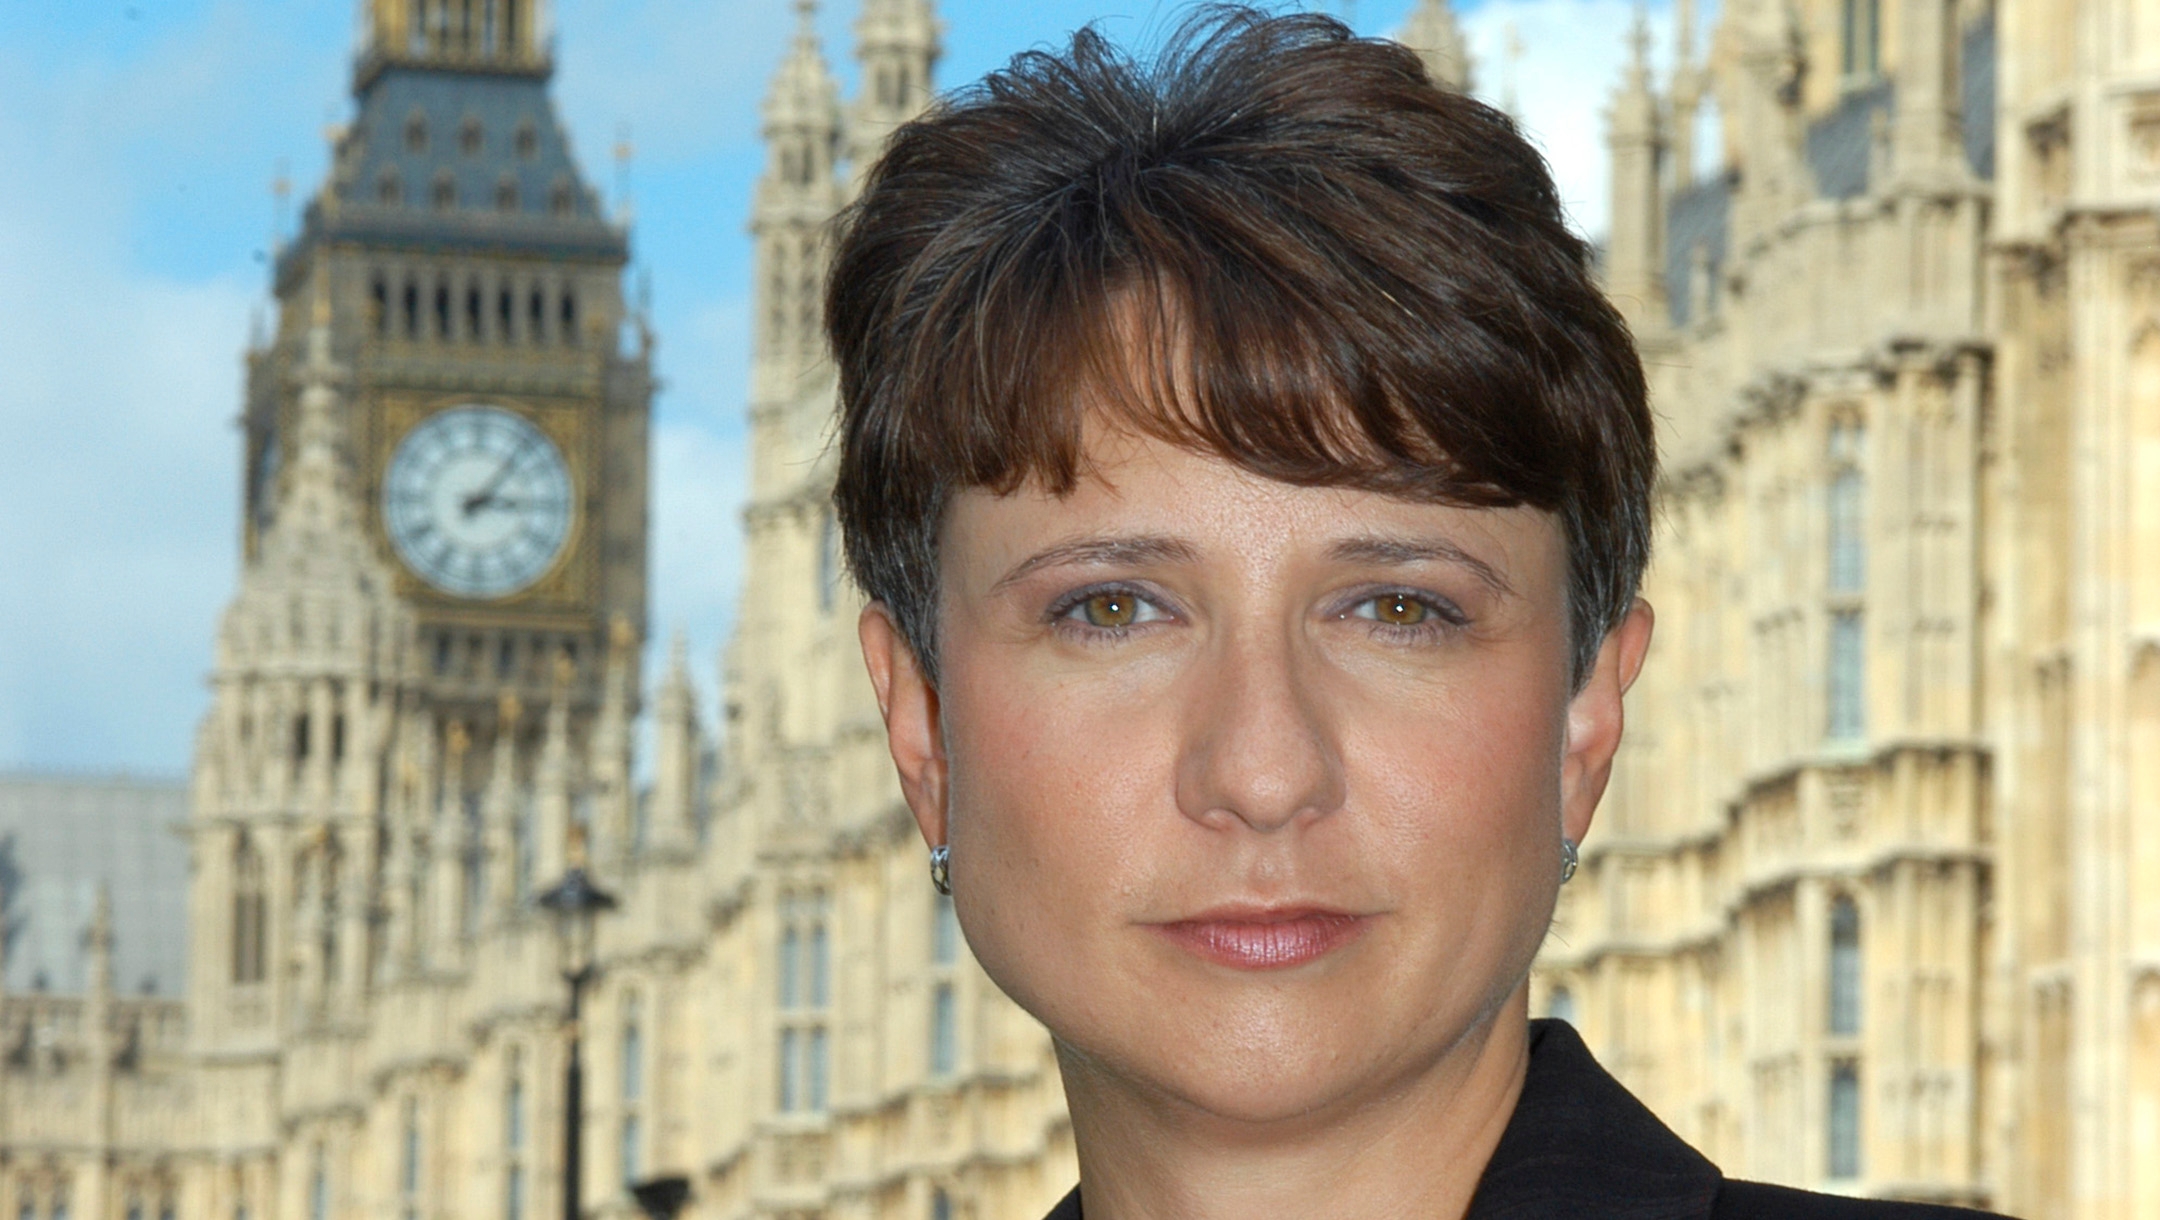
{"x":1252,"y":489}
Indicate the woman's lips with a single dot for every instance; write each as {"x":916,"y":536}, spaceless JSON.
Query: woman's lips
{"x":1264,"y":939}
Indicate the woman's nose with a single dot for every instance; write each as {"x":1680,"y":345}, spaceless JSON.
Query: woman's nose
{"x":1258,"y":748}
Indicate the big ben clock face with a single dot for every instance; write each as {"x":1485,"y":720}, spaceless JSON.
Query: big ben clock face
{"x":477,"y":502}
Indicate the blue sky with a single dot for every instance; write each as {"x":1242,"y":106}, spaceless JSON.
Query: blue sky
{"x":140,"y":139}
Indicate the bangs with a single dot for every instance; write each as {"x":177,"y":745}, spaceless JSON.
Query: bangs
{"x":1227,"y":319}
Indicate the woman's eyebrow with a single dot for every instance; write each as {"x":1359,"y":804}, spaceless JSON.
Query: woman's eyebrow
{"x":1145,"y":548}
{"x":1377,"y":549}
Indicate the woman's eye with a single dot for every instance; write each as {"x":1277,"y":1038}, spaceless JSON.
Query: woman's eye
{"x":1399,"y":610}
{"x":1113,"y":610}
{"x":1402,"y":610}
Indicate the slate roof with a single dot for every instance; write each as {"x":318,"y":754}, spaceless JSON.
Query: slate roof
{"x":441,"y":105}
{"x":1839,"y":150}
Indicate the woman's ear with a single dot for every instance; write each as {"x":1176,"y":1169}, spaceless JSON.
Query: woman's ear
{"x":1595,"y":719}
{"x":909,"y":705}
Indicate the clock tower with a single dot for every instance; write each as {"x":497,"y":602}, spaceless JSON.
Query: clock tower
{"x":498,"y":389}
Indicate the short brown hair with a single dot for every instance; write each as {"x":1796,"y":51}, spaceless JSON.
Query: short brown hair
{"x":1340,"y":274}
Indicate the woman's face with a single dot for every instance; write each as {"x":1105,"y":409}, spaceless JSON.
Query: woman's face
{"x":1254,"y":792}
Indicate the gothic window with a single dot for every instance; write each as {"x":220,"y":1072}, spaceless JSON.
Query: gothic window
{"x":944,"y":1030}
{"x":506,"y":194}
{"x":527,"y":141}
{"x":805,"y":991}
{"x":562,"y":200}
{"x":379,"y":305}
{"x":300,"y":742}
{"x":416,"y":136}
{"x":1561,"y":1005}
{"x":390,"y":189}
{"x":444,"y":193}
{"x":1845,"y":974}
{"x":505,"y":315}
{"x":944,"y":1047}
{"x":470,"y":137}
{"x":337,"y":738}
{"x":940,"y":1205}
{"x":319,"y":1186}
{"x":535,"y":317}
{"x":1860,"y":39}
{"x":409,"y":1162}
{"x":412,"y":310}
{"x":828,"y":562}
{"x":522,"y":845}
{"x":442,"y":311}
{"x":1845,"y":685}
{"x":1844,"y":1119}
{"x":568,"y":314}
{"x":514,"y":1138}
{"x":250,"y":907}
{"x":633,"y":1090}
{"x":474,"y":317}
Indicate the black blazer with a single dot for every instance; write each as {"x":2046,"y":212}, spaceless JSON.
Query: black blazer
{"x":1580,"y":1147}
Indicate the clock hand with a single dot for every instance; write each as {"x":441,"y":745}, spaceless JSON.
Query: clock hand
{"x":486,"y":495}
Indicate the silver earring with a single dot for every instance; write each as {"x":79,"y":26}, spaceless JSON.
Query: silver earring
{"x":941,"y":868}
{"x":1570,"y":859}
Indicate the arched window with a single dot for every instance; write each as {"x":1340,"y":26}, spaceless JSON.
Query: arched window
{"x":633,"y":1090}
{"x":470,"y":137}
{"x":412,"y":310}
{"x":379,"y":305}
{"x":828,"y":562}
{"x":1560,"y":1006}
{"x":804,"y":988}
{"x":475,"y":318}
{"x":568,"y":315}
{"x":409,"y":1162}
{"x":506,"y":194}
{"x":1845,"y":973}
{"x":1845,"y":685}
{"x":527,"y":141}
{"x":562,"y":200}
{"x":444,"y":193}
{"x":318,"y":1185}
{"x":514,"y":1136}
{"x":250,"y":907}
{"x":416,"y":136}
{"x":535,"y":317}
{"x":1844,"y":1120}
{"x":390,"y":189}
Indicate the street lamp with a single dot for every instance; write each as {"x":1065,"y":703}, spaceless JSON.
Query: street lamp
{"x":662,"y":1198}
{"x":575,"y":902}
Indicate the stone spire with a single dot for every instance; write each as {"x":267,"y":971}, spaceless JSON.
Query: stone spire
{"x":500,"y":809}
{"x":1635,"y":249}
{"x":452,"y":843}
{"x":1925,"y":143}
{"x":1687,"y":93}
{"x":797,"y":196}
{"x":1766,"y":45}
{"x":673,"y":818}
{"x":897,"y":44}
{"x":611,"y":748}
{"x":551,"y":783}
{"x":1432,"y":31}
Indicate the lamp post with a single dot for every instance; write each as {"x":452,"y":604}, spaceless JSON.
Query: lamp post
{"x":576,"y":902}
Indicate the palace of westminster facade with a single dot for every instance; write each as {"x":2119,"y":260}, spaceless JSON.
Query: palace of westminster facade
{"x":1874,"y":905}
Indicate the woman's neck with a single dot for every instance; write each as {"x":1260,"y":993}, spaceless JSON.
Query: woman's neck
{"x":1416,"y":1148}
